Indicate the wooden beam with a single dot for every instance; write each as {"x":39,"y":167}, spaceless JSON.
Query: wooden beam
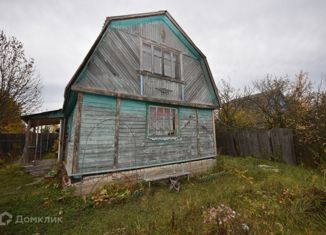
{"x":77,"y":133}
{"x":146,"y":73}
{"x":27,"y":140}
{"x":197,"y":136}
{"x":214,"y":132}
{"x":36,"y":142}
{"x":116,"y":135}
{"x":59,"y":158}
{"x":41,"y":141}
{"x":142,"y":98}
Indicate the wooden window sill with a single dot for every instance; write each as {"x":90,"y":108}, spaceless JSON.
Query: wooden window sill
{"x":164,"y":138}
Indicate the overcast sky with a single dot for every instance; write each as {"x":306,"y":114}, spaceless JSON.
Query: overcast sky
{"x":242,"y":40}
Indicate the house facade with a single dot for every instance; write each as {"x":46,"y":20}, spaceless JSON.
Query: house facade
{"x":143,"y":97}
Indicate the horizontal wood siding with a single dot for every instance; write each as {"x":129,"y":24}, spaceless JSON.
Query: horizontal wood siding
{"x":206,"y":132}
{"x":97,"y":133}
{"x":135,"y":149}
{"x":153,"y":88}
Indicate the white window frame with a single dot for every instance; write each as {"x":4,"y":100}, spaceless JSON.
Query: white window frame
{"x":163,"y":49}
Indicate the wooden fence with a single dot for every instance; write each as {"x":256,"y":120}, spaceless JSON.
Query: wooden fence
{"x":275,"y":144}
{"x":12,"y":145}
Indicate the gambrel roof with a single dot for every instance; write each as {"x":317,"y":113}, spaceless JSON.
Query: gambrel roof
{"x":144,"y":18}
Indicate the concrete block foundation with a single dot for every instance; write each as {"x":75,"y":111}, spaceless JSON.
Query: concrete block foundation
{"x":90,"y":184}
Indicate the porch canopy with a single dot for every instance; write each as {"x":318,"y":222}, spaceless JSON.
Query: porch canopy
{"x":45,"y":118}
{"x":33,"y":148}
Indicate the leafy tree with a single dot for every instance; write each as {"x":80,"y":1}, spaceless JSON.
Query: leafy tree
{"x":278,"y":102}
{"x":270,"y":103}
{"x":10,"y":121}
{"x":231,"y":114}
{"x":20,"y":89}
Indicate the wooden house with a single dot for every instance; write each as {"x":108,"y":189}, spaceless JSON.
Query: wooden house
{"x":142,"y":98}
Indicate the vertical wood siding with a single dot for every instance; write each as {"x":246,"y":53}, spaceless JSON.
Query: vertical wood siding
{"x":70,"y":140}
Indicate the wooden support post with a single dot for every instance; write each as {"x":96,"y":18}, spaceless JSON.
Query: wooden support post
{"x":141,"y":85}
{"x":77,"y":133}
{"x":59,"y":141}
{"x":63,"y":141}
{"x":47,"y":141}
{"x":36,"y":142}
{"x":214,"y":132}
{"x":197,"y":131}
{"x":41,"y":141}
{"x":116,"y":136}
{"x":26,"y":146}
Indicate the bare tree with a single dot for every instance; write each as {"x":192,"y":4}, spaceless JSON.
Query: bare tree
{"x":270,"y":100}
{"x":20,"y":87}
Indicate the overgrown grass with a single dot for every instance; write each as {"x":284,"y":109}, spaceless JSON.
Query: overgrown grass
{"x":291,"y":201}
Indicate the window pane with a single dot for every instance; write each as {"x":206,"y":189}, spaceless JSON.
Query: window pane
{"x":167,"y":64}
{"x":147,"y":57}
{"x":162,"y":121}
{"x":175,"y":66}
{"x":157,"y":60}
{"x":166,"y":121}
{"x":152,"y":121}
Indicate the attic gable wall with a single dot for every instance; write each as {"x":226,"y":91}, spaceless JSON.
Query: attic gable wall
{"x":115,"y":63}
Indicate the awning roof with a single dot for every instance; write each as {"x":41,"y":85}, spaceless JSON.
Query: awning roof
{"x":44,"y":118}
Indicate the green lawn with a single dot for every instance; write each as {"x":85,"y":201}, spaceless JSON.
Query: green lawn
{"x":291,"y":201}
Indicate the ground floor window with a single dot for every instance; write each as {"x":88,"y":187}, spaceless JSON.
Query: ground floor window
{"x":162,"y":121}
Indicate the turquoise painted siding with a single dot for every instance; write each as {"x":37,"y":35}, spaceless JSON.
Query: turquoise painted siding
{"x":206,"y":142}
{"x":132,"y":133}
{"x":136,"y":149}
{"x":97,"y":130}
{"x":131,"y":23}
{"x":97,"y":133}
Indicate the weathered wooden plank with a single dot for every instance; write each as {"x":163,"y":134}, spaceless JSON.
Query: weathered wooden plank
{"x":277,"y":143}
{"x":97,"y":131}
{"x":25,"y":156}
{"x":116,"y":137}
{"x":101,"y":91}
{"x":115,"y":64}
{"x":77,"y":132}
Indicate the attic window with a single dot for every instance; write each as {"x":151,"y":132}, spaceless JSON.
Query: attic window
{"x":160,"y":60}
{"x":162,"y":121}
